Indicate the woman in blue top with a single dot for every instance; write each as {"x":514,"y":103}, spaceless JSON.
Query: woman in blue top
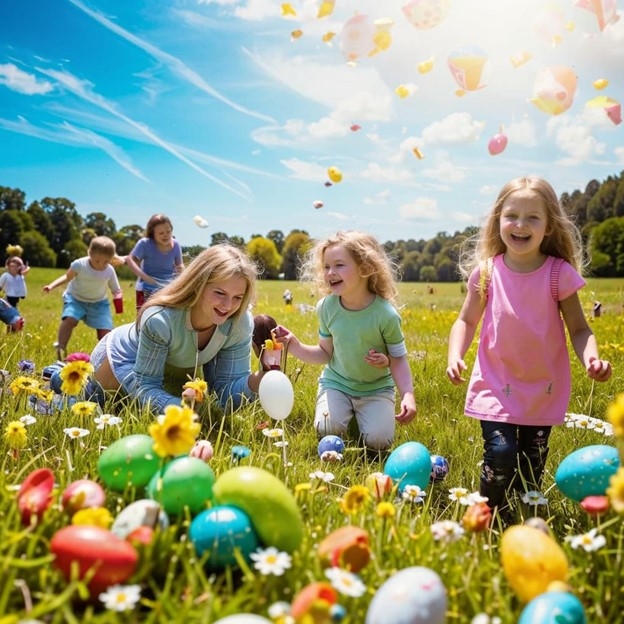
{"x":199,"y":320}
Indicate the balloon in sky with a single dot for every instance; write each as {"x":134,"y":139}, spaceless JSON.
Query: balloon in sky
{"x":357,"y":37}
{"x":200,"y":221}
{"x":612,"y":107}
{"x":497,"y":143}
{"x":601,"y":83}
{"x":426,"y":14}
{"x":549,"y":24}
{"x":470,"y":67}
{"x":317,"y":203}
{"x":554,"y":89}
{"x":326,"y":8}
{"x":424,"y":67}
{"x":382,"y":37}
{"x":604,"y":10}
{"x":287,"y":9}
{"x":334,"y":174}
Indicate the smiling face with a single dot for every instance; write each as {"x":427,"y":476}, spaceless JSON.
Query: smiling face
{"x":523,"y":226}
{"x":342,"y":274}
{"x":218,"y":302}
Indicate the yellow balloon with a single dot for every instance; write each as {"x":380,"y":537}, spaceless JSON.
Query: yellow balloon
{"x":334,"y":174}
{"x":601,"y":83}
{"x":531,"y":561}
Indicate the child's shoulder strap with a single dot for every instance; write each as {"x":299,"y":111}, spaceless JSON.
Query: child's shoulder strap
{"x":554,"y":278}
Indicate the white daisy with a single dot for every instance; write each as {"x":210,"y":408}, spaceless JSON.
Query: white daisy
{"x":413,"y":494}
{"x":76,"y":432}
{"x":121,"y":597}
{"x":456,"y":494}
{"x":107,"y":419}
{"x":273,"y":433}
{"x":322,"y":476}
{"x":589,"y":542}
{"x":271,"y":561}
{"x":345,"y":582}
{"x":27,"y":419}
{"x":447,"y":531}
{"x":534,"y":498}
{"x":472,"y":499}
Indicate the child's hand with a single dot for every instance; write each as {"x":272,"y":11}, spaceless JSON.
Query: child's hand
{"x":408,"y":409}
{"x":377,"y":359}
{"x":281,"y":334}
{"x":600,"y":370}
{"x":454,"y":371}
{"x":47,"y":288}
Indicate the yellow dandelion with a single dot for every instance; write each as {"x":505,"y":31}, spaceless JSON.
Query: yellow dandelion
{"x":83,"y":408}
{"x":356,"y":497}
{"x":385,"y":510}
{"x":41,"y":394}
{"x":200,"y":387}
{"x":74,"y":376}
{"x":175,"y":434}
{"x":615,"y":491}
{"x":615,"y":415}
{"x":15,"y":434}
{"x":23,"y":385}
{"x":93,"y":516}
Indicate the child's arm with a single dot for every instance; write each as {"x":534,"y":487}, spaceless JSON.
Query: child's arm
{"x":311,"y":354}
{"x":400,"y":370}
{"x":68,"y":277}
{"x":583,"y":339}
{"x":462,"y":333}
{"x":25,"y":268}
{"x":138,"y":271}
{"x":377,"y":359}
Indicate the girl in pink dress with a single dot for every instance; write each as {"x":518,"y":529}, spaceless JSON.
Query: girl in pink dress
{"x":524,"y":272}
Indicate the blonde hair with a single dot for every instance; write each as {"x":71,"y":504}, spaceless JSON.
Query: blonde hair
{"x":373,"y":261}
{"x":562,"y":241}
{"x":103,"y":246}
{"x":213,"y":265}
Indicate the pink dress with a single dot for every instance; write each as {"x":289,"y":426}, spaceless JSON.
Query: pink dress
{"x":522,"y":371}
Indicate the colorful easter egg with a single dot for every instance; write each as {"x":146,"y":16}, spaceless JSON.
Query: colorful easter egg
{"x":409,"y":464}
{"x":531,"y":561}
{"x":314,"y":602}
{"x":35,"y":494}
{"x":347,"y":547}
{"x":129,"y":461}
{"x":554,"y":607}
{"x":222,"y":531}
{"x":82,"y":494}
{"x":202,"y":449}
{"x":143,"y":512}
{"x":183,"y":482}
{"x":439,"y":468}
{"x":276,"y":394}
{"x":586,"y":471}
{"x":497,"y":144}
{"x":111,"y":559}
{"x":413,"y":595}
{"x":330,"y":443}
{"x":273,"y":510}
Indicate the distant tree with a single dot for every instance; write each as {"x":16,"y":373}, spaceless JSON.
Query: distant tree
{"x":75,"y":249}
{"x":67,"y":225}
{"x":127,"y":237}
{"x":295,"y":246}
{"x":219,"y":237}
{"x":428,"y":274}
{"x":277,"y":236}
{"x":238,"y":241}
{"x":41,"y":220}
{"x":191,"y":252}
{"x":264,"y":252}
{"x":13,"y":225}
{"x":101,"y":224}
{"x":608,"y":238}
{"x":12,"y":199}
{"x":37,"y":250}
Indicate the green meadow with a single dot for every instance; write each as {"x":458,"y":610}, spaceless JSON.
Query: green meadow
{"x":176,"y":585}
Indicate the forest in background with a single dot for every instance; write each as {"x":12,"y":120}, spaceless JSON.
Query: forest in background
{"x":52,"y":233}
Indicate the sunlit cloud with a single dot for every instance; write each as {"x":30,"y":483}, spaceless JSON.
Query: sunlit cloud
{"x":20,"y":81}
{"x":421,"y":209}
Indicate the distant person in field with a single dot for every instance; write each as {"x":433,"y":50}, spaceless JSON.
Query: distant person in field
{"x":361,"y":343}
{"x":156,"y":259}
{"x":85,"y":298}
{"x":12,"y":281}
{"x":596,"y":309}
{"x":287,"y":297}
{"x":523,"y":276}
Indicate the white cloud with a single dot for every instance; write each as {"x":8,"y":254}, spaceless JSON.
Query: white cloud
{"x":521,"y":133}
{"x":379,"y":199}
{"x":574,"y":138}
{"x":619,"y":154}
{"x":445,"y":171}
{"x":15,"y":79}
{"x":422,"y":209}
{"x":455,"y":128}
{"x":377,"y":173}
{"x":305,"y":170}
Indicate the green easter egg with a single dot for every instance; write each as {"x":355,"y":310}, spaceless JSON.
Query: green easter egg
{"x":184,"y":482}
{"x":267,"y":501}
{"x":128,"y":461}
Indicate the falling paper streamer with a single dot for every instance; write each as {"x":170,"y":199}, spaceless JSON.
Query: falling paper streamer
{"x":200,"y":221}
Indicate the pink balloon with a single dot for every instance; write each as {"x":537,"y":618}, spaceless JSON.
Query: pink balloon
{"x":497,"y":144}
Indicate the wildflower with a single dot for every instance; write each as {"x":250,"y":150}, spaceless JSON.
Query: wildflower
{"x":121,"y":597}
{"x":175,"y":434}
{"x":240,"y":452}
{"x":78,"y":356}
{"x":26,"y":366}
{"x":589,"y":542}
{"x":74,"y":376}
{"x":15,"y":434}
{"x":484,"y":618}
{"x":83,"y":408}
{"x":385,"y":510}
{"x":271,"y":561}
{"x":472,"y":498}
{"x":93,"y":516}
{"x":199,"y":386}
{"x":23,"y":385}
{"x":280,"y":443}
{"x":595,"y":505}
{"x":331,"y":456}
{"x":345,"y":582}
{"x":107,"y":420}
{"x":615,"y":415}
{"x":477,"y":518}
{"x":356,"y":497}
{"x":76,"y":432}
{"x":379,"y":484}
{"x":533,"y":497}
{"x":327,"y":477}
{"x":279,"y":610}
{"x":28,"y":419}
{"x":615,"y":491}
{"x":273,"y":433}
{"x":446,"y":531}
{"x":413,"y":494}
{"x":456,"y":494}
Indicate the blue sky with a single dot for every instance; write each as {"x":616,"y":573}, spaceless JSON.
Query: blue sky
{"x":233,"y":111}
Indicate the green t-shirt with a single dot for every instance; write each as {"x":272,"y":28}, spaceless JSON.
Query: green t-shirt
{"x":353,"y":333}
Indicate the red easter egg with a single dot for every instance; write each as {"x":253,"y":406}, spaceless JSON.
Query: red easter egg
{"x":94,"y":549}
{"x":35,"y":494}
{"x":497,"y":144}
{"x":82,"y":494}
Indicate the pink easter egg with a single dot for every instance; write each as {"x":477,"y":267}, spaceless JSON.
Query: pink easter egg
{"x":82,"y":494}
{"x":202,"y":450}
{"x":497,"y":144}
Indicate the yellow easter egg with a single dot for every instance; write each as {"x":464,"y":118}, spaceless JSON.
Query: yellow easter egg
{"x":334,"y":174}
{"x":531,"y":561}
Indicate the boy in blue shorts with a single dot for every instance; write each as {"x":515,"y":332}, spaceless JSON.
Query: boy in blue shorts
{"x":85,"y":298}
{"x":10,"y":317}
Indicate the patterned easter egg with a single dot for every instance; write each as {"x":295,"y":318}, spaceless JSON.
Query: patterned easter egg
{"x":409,"y":464}
{"x":553,"y":607}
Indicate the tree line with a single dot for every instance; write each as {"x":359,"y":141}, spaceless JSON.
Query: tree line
{"x":52,"y":233}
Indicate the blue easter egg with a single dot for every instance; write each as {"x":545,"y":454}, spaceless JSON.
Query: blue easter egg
{"x":220,"y":532}
{"x":439,"y":468}
{"x":553,"y":607}
{"x":409,"y":464}
{"x":586,"y":471}
{"x":330,"y":443}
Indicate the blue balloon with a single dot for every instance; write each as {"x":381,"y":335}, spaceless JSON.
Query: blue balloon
{"x":330,"y":443}
{"x":221,"y":531}
{"x":409,"y":464}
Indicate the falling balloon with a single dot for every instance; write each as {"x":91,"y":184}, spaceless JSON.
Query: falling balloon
{"x":497,"y":143}
{"x":200,"y":221}
{"x":334,"y":174}
{"x":470,"y":67}
{"x":357,"y":36}
{"x":425,"y":14}
{"x":554,"y":89}
{"x":317,"y":203}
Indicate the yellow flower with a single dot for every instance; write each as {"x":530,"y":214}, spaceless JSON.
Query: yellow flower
{"x":385,"y":510}
{"x":43,"y":395}
{"x":93,"y":516}
{"x":22,"y":384}
{"x":74,"y":376}
{"x":83,"y":408}
{"x":175,"y":433}
{"x":200,"y":387}
{"x":356,"y":497}
{"x":615,"y":415}
{"x":15,"y":434}
{"x":615,"y":491}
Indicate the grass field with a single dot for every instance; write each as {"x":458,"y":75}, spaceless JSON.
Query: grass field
{"x":178,"y":586}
